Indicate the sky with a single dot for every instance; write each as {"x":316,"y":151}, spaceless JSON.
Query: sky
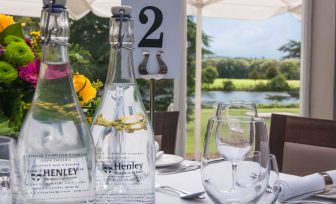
{"x":247,"y":38}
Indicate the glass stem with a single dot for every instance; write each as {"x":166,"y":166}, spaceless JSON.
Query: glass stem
{"x":234,"y":175}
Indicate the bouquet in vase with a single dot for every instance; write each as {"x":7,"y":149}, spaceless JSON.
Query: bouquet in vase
{"x":20,"y":56}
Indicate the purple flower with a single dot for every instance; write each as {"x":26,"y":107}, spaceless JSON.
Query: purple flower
{"x":57,"y":71}
{"x":28,"y":41}
{"x":30,"y":72}
{"x":2,"y":50}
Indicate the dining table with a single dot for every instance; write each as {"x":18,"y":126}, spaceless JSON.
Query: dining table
{"x":191,"y":181}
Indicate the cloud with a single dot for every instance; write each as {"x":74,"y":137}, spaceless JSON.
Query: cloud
{"x":239,"y":38}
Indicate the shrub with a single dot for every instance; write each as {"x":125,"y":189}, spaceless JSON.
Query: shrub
{"x":261,"y":87}
{"x":228,"y":85}
{"x":294,"y":92}
{"x":278,"y":83}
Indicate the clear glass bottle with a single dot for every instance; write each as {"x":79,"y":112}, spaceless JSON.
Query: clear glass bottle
{"x":121,"y":129}
{"x":56,"y":157}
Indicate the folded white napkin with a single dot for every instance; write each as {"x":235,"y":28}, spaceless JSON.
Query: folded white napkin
{"x":296,"y":187}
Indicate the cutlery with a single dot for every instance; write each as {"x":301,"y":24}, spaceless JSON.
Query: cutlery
{"x":179,"y":169}
{"x":181,"y":193}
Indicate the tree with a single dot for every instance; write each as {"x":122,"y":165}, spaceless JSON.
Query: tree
{"x":191,"y":52}
{"x":209,"y":75}
{"x":253,"y":74}
{"x":290,"y":68}
{"x":92,"y":33}
{"x":228,"y":85}
{"x":292,"y":49}
{"x":270,"y":68}
{"x":278,"y":83}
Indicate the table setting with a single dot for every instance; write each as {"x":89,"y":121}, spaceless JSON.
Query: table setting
{"x":234,"y":170}
{"x":296,"y":189}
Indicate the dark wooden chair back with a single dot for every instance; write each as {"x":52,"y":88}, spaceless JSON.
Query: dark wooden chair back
{"x":303,"y":145}
{"x":166,"y":125}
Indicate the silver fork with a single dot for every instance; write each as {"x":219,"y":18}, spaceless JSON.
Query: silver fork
{"x":183,"y":168}
{"x":181,"y":193}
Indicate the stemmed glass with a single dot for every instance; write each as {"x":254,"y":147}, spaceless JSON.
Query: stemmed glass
{"x":273,"y":189}
{"x":234,"y":138}
{"x":246,"y":109}
{"x":236,"y":108}
{"x":6,"y":169}
{"x":217,"y":181}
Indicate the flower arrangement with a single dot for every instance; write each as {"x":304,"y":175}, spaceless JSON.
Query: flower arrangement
{"x":19,"y":68}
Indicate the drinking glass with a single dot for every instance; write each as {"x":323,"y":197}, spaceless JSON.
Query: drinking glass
{"x":273,"y":189}
{"x":236,"y":108}
{"x":245,"y":109}
{"x":218,"y":183}
{"x":6,"y":169}
{"x":234,"y":137}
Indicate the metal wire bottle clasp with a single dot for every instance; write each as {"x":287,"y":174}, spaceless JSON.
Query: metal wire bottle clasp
{"x":46,"y":39}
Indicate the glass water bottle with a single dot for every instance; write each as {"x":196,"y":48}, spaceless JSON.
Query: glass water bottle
{"x":56,"y":157}
{"x":121,"y":129}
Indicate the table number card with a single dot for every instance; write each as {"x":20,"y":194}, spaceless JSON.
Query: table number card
{"x":158,"y":30}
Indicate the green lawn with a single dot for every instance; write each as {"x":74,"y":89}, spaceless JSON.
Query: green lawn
{"x":246,"y":84}
{"x":207,"y":113}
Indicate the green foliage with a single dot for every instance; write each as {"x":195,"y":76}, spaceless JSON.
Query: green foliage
{"x":12,"y":38}
{"x":7,"y":73}
{"x":235,"y":68}
{"x":271,"y":68}
{"x":14,"y":29}
{"x":209,"y":75}
{"x":92,"y":33}
{"x":163,"y":93}
{"x":294,"y":92}
{"x":97,"y":84}
{"x":290,"y":68}
{"x":292,"y":49}
{"x":29,"y":24}
{"x":228,"y":85}
{"x":248,"y":68}
{"x":18,"y":54}
{"x":261,"y":87}
{"x":80,"y":61}
{"x":278,"y":83}
{"x":278,"y":105}
{"x":253,"y":74}
{"x":191,"y":52}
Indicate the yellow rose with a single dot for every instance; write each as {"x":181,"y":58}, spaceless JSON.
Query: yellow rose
{"x":5,"y":21}
{"x":83,"y":88}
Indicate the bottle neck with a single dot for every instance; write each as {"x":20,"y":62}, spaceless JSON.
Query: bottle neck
{"x":120,"y":66}
{"x":55,"y":36}
{"x":55,"y":79}
{"x":121,"y":55}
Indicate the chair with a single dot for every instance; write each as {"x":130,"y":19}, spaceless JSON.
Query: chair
{"x":166,"y":125}
{"x":303,"y":145}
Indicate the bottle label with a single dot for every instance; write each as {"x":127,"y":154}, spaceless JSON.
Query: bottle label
{"x":56,"y":176}
{"x":124,"y":177}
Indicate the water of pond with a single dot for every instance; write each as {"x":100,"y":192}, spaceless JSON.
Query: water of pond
{"x":211,"y":98}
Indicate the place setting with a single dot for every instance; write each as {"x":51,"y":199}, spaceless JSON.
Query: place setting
{"x":236,"y":161}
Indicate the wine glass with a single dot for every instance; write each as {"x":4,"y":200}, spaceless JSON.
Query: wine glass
{"x":234,"y":137}
{"x":218,"y":183}
{"x":246,"y":109}
{"x":6,"y":169}
{"x":273,"y":189}
{"x":236,"y":108}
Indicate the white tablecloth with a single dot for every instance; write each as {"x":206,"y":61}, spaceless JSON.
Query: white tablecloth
{"x":188,"y":181}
